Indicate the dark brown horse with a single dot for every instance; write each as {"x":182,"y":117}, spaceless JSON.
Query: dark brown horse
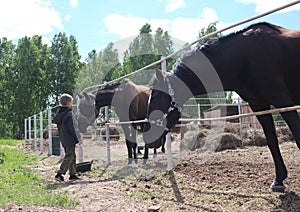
{"x":130,"y":103}
{"x":261,"y":63}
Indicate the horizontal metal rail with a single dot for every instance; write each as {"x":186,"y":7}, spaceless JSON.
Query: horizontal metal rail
{"x":277,"y":110}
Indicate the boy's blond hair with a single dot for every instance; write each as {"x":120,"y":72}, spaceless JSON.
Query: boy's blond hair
{"x":65,"y":98}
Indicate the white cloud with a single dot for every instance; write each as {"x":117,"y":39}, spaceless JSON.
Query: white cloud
{"x":185,"y":29}
{"x":67,"y":17}
{"x":128,"y":25}
{"x":28,"y":18}
{"x":74,"y":3}
{"x":172,"y":5}
{"x":264,"y":6}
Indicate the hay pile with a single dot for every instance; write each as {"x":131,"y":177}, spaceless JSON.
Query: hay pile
{"x":114,"y":133}
{"x":222,"y":137}
{"x":207,"y":140}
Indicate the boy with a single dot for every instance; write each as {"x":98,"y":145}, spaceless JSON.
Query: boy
{"x":69,"y":136}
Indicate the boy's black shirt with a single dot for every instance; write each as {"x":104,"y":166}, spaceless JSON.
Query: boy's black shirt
{"x":68,"y":131}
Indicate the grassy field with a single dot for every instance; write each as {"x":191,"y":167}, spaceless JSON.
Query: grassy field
{"x":18,"y":183}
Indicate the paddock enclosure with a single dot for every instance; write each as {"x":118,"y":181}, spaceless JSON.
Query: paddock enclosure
{"x":199,"y":117}
{"x":40,"y":129}
{"x":223,"y":157}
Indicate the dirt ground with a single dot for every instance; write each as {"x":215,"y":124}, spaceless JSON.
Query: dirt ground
{"x":229,"y":180}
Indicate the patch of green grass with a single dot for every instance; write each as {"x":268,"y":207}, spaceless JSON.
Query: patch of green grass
{"x":19,"y":184}
{"x":11,"y":142}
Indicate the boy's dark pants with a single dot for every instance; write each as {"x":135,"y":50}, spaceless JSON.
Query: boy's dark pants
{"x":69,"y":161}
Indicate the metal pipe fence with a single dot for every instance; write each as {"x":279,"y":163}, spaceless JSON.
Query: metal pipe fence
{"x":28,"y":121}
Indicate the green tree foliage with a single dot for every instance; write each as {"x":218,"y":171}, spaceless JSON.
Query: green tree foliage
{"x":32,"y":75}
{"x":212,"y":27}
{"x":64,"y":66}
{"x":101,"y":67}
{"x":110,"y":65}
{"x":27,"y":80}
{"x":90,"y":73}
{"x":6,"y":64}
{"x":146,"y":49}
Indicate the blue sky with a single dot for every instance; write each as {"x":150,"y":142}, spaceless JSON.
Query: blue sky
{"x":95,"y":23}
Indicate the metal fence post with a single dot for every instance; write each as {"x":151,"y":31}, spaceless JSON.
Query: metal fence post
{"x":169,"y":152}
{"x":41,"y":134}
{"x":29,"y":130}
{"x":163,"y":66}
{"x":80,"y":153}
{"x":25,"y":129}
{"x":240,"y":119}
{"x":34,"y":133}
{"x":199,"y":113}
{"x":49,"y":132}
{"x":107,"y":135}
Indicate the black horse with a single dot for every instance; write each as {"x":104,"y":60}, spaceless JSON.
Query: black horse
{"x":261,"y":63}
{"x":130,"y":103}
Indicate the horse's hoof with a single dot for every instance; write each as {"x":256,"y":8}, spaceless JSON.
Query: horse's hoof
{"x":154,"y":158}
{"x":135,"y":165}
{"x":277,"y":188}
{"x":129,"y":162}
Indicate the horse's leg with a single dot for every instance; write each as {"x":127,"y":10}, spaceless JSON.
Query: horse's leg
{"x":282,"y":100}
{"x":134,"y":146}
{"x":293,"y":121}
{"x":128,"y":143}
{"x":163,"y":144}
{"x":272,"y":141}
{"x":129,"y":151}
{"x":146,"y":155}
{"x":290,"y":117}
{"x":154,"y":155}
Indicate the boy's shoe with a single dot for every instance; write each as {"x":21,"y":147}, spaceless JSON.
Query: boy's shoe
{"x":74,"y":177}
{"x":59,"y":177}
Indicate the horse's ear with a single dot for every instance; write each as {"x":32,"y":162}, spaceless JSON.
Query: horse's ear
{"x":79,"y":95}
{"x":159,"y":75}
{"x":92,"y":96}
{"x":86,"y":96}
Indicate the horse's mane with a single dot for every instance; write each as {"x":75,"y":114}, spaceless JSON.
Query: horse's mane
{"x":256,"y":25}
{"x":114,"y":85}
{"x":215,"y":41}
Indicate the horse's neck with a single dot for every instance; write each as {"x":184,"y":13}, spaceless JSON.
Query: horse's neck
{"x":105,"y":99}
{"x":122,"y":100}
{"x":193,"y":76}
{"x":209,"y":71}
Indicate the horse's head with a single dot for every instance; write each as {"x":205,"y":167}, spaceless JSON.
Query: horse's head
{"x":163,"y":111}
{"x":86,"y":111}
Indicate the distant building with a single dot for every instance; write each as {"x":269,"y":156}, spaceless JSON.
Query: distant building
{"x":222,"y":110}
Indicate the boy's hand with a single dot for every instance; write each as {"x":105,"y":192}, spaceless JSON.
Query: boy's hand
{"x":80,"y":142}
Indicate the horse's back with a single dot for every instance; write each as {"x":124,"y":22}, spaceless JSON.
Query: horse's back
{"x":283,"y":50}
{"x":268,"y":60}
